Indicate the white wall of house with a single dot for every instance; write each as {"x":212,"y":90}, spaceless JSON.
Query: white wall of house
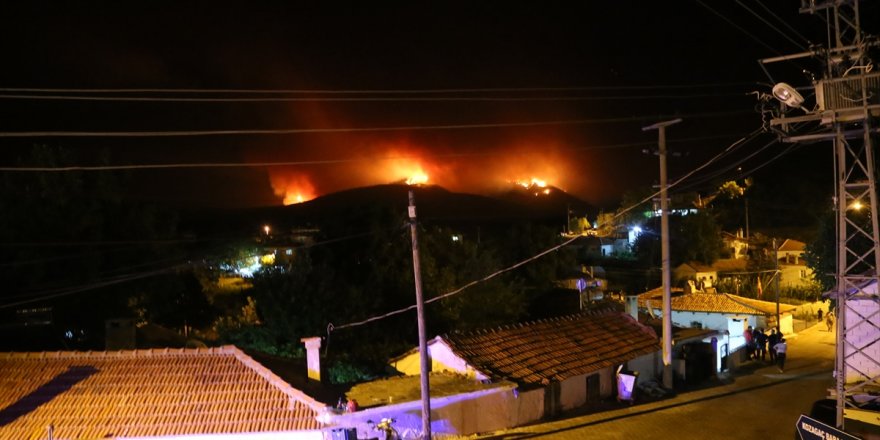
{"x":462,"y":414}
{"x":575,"y":390}
{"x":648,"y":366}
{"x":442,"y":359}
{"x":278,"y":435}
{"x":795,"y":275}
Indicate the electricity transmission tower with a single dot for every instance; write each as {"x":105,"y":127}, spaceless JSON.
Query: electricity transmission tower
{"x":846,"y":112}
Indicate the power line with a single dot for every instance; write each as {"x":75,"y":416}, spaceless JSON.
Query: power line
{"x":92,"y":286}
{"x":331,"y":327}
{"x":771,"y":25}
{"x":375,"y":91}
{"x":371,"y":99}
{"x":739,"y":28}
{"x":784,"y":22}
{"x":326,"y":161}
{"x":184,"y":133}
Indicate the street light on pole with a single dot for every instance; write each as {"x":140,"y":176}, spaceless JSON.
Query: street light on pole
{"x":664,"y":247}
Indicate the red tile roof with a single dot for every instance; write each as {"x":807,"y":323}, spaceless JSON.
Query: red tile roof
{"x":146,"y":393}
{"x":555,"y":349}
{"x":712,"y":303}
{"x":792,"y":245}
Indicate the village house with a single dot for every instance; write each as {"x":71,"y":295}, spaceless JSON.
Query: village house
{"x":793,"y":269}
{"x":215,"y":393}
{"x":735,"y":244}
{"x":557,"y":364}
{"x":729,"y":314}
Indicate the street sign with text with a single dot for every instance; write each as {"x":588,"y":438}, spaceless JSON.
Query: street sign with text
{"x":812,"y":429}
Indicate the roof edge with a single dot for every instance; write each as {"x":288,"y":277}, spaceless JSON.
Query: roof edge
{"x":274,"y":379}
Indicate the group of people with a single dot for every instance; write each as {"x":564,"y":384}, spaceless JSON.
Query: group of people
{"x":346,"y":405}
{"x":758,"y":342}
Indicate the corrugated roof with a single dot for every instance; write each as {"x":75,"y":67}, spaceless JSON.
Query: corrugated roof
{"x":146,"y":393}
{"x":555,"y":349}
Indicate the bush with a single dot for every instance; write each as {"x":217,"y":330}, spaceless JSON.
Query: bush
{"x":343,"y":372}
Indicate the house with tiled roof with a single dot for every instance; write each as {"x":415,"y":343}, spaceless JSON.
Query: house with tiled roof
{"x":729,"y":314}
{"x":215,"y":393}
{"x":704,"y":278}
{"x":557,"y":364}
{"x":793,"y":269}
{"x":737,"y":245}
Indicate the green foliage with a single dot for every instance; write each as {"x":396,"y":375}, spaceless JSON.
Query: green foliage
{"x":73,"y":218}
{"x":172,"y":300}
{"x":821,"y":253}
{"x":343,"y":372}
{"x":260,"y":338}
{"x":698,"y":238}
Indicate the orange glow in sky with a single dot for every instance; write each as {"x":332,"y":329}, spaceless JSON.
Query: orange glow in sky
{"x":405,"y":169}
{"x":294,"y":188}
{"x":532,"y":165}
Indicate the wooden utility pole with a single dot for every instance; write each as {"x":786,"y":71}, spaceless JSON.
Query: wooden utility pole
{"x":664,"y":249}
{"x":420,"y":309}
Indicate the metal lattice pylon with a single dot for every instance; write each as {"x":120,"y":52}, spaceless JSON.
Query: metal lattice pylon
{"x":847,"y":102}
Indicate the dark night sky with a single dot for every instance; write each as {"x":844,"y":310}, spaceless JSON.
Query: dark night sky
{"x":606,"y":49}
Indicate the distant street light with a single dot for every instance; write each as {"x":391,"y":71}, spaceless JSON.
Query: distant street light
{"x":266,"y":229}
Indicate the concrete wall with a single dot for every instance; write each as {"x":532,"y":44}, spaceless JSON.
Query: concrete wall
{"x":575,"y":390}
{"x":714,"y":321}
{"x":463,"y":414}
{"x":862,"y":344}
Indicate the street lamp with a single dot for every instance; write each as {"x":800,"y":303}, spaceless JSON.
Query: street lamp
{"x":788,"y":95}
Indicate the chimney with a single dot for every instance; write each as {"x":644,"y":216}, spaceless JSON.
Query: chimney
{"x":313,"y":357}
{"x":632,"y":306}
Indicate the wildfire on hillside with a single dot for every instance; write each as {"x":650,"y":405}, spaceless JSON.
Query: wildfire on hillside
{"x":534,"y":185}
{"x":294,"y":188}
{"x":535,"y":167}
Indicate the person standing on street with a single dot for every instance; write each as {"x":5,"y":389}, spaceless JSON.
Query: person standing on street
{"x":750,"y":343}
{"x":829,"y":321}
{"x":760,"y":344}
{"x":781,"y":348}
{"x":772,"y":339}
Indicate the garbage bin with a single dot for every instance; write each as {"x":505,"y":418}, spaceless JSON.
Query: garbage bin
{"x":626,"y":385}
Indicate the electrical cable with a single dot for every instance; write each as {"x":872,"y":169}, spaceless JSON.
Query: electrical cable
{"x":376,"y":91}
{"x":184,"y":133}
{"x":771,"y":25}
{"x":370,"y":99}
{"x":739,"y":28}
{"x":331,"y":327}
{"x":785,"y":23}
{"x":90,"y":287}
{"x":328,"y":161}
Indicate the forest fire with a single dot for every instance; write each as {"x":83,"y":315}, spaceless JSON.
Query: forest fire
{"x":294,"y":188}
{"x":534,"y":182}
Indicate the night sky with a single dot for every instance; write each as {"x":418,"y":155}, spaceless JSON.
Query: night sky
{"x":599,"y":72}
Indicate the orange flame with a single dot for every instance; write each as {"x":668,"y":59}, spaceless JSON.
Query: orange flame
{"x":406,"y":169}
{"x":294,"y":188}
{"x":534,"y":182}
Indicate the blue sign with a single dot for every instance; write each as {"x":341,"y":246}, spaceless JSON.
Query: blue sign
{"x":812,"y":429}
{"x":581,"y":284}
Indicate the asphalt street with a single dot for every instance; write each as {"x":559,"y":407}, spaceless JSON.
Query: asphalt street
{"x":757,"y":403}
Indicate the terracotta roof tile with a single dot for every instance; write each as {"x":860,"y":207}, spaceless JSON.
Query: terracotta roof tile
{"x":555,"y":349}
{"x":146,"y":393}
{"x":712,"y":303}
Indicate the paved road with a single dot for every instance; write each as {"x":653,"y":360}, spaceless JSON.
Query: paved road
{"x":761,"y":403}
